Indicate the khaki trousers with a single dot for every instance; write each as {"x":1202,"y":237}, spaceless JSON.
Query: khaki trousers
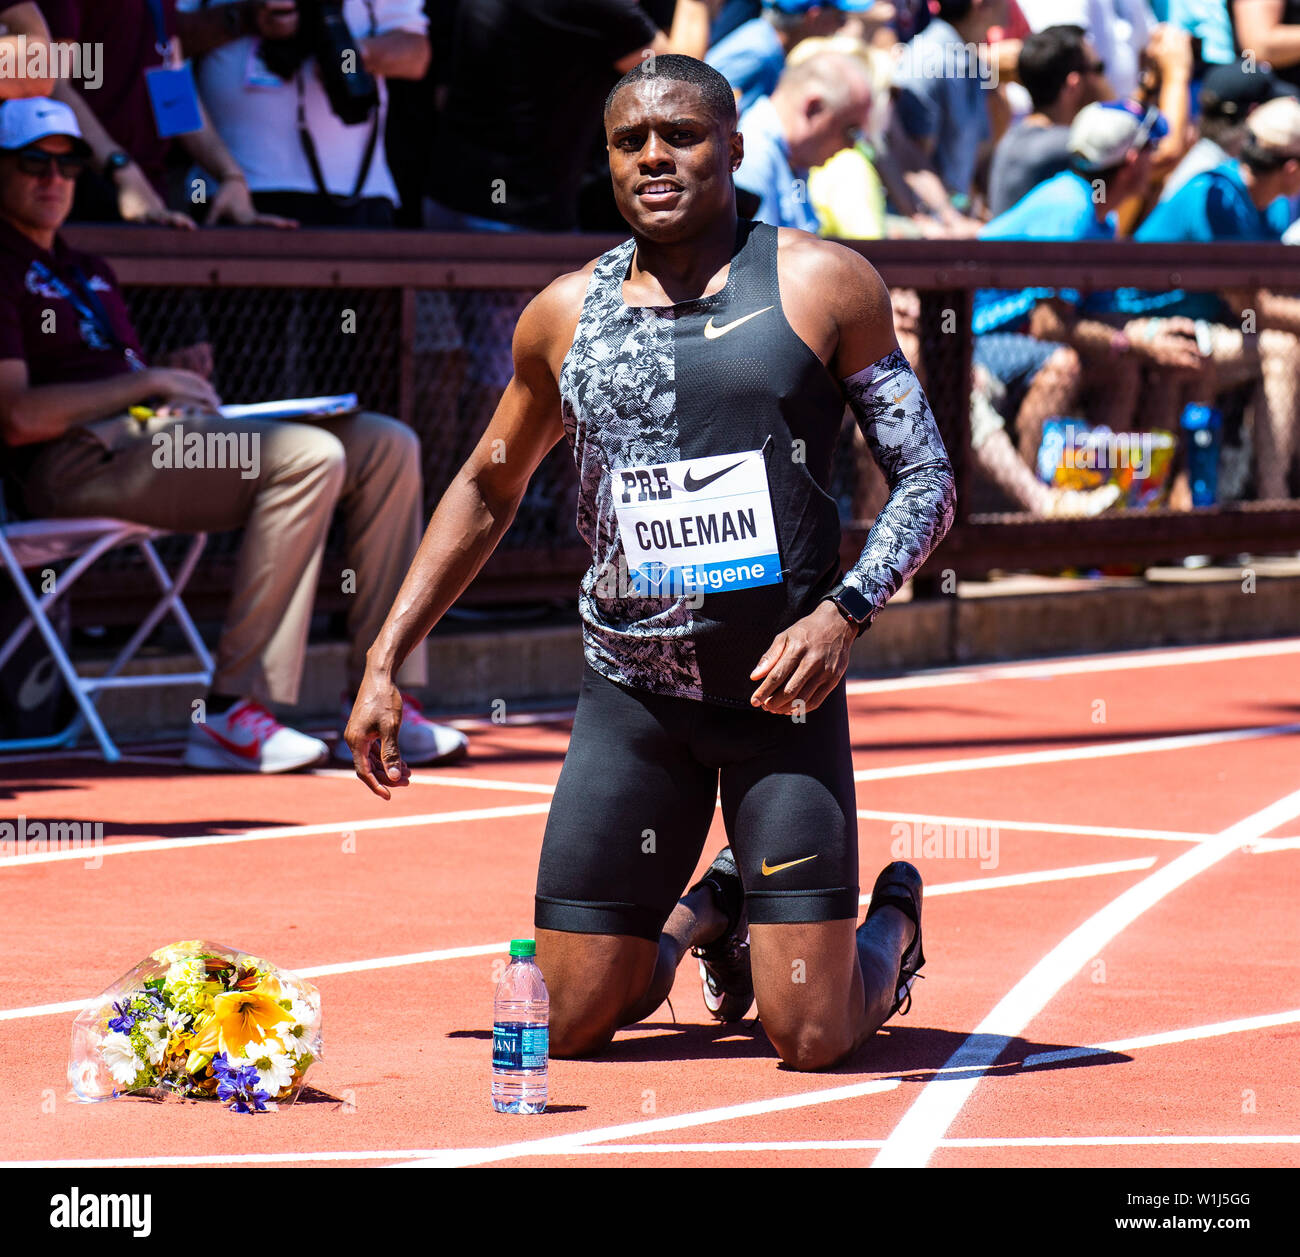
{"x":282,"y":492}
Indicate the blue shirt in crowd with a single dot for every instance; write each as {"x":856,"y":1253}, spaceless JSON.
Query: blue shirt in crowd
{"x":751,"y":59}
{"x":766,"y":171}
{"x":1059,"y":209}
{"x":1214,"y":205}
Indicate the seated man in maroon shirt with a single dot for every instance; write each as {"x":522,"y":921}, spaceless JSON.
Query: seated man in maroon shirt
{"x":71,"y":370}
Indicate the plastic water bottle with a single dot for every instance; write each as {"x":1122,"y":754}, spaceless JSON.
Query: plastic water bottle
{"x":520,"y":1034}
{"x":1204,"y":428}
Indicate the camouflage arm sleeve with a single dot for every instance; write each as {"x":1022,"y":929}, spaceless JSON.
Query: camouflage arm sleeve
{"x":891,"y":409}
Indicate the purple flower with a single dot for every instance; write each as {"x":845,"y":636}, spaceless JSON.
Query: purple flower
{"x":237,"y":1086}
{"x":125,"y":1018}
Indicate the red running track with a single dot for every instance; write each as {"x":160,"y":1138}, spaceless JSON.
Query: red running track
{"x":1112,"y":980}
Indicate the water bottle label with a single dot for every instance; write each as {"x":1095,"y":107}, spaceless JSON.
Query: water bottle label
{"x":518,"y":1046}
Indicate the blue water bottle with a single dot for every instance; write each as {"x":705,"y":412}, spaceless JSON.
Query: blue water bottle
{"x":1204,"y":428}
{"x":521,"y":1034}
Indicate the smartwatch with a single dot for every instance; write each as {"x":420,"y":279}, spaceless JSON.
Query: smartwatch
{"x":852,"y":606}
{"x":114,"y":162}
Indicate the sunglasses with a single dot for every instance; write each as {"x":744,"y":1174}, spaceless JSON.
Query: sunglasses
{"x":37,"y":162}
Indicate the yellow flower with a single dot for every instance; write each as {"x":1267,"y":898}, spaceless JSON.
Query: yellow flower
{"x":238,"y":1018}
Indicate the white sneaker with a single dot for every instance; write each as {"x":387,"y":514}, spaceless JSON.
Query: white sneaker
{"x":1083,"y":503}
{"x":247,"y":738}
{"x":420,"y":741}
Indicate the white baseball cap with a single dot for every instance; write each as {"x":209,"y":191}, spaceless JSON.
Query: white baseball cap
{"x":24,"y":122}
{"x":1103,"y":133}
{"x":1275,"y":125}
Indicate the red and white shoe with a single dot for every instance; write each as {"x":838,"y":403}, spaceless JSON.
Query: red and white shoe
{"x":420,"y":740}
{"x":247,"y":738}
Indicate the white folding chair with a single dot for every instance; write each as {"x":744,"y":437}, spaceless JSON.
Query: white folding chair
{"x":28,"y":545}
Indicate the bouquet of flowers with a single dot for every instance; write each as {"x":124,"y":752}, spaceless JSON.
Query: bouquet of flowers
{"x":198,"y":1019}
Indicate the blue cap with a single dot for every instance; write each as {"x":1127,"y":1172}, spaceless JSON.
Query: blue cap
{"x":803,"y":6}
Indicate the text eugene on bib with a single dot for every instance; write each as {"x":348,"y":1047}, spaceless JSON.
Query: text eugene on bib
{"x":699,"y":525}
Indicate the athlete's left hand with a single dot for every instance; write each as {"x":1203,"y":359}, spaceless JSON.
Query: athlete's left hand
{"x":804,"y":663}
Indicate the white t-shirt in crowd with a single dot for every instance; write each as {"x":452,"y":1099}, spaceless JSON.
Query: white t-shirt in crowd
{"x":1117,"y":29}
{"x":256,"y":113}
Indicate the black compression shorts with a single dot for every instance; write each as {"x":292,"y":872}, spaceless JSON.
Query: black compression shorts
{"x":636,"y":798}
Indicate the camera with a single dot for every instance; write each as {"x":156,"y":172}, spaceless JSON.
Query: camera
{"x":323,"y":33}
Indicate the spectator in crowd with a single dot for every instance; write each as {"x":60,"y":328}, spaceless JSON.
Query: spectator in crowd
{"x":1210,"y":27}
{"x":1020,"y":333}
{"x":819,"y":107}
{"x":947,"y":115}
{"x":1118,"y":29}
{"x":1227,"y":96}
{"x":1062,"y":74}
{"x":527,"y":81}
{"x":309,"y":136}
{"x":732,"y":13}
{"x":22,"y":30}
{"x":1270,"y":31}
{"x":1232,"y":203}
{"x":752,"y":56}
{"x":131,"y":144}
{"x":847,"y":194}
{"x":76,"y":448}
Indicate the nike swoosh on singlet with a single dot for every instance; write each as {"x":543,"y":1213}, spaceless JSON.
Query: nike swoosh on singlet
{"x":769,"y":869}
{"x":712,"y":333}
{"x":691,"y":485}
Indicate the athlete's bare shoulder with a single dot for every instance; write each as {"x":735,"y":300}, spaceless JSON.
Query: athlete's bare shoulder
{"x":822,"y":281}
{"x":545,"y":329}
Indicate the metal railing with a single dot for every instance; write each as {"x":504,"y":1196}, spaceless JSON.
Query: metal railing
{"x":401,"y":319}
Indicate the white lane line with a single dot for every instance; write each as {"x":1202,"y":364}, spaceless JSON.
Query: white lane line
{"x":1044,"y":669}
{"x":314,"y":971}
{"x":582,"y":1150}
{"x":728,"y":1113}
{"x":1036,"y":827}
{"x":334,"y":828}
{"x":1262,"y":845}
{"x":1106,"y":750}
{"x":1032,"y":879}
{"x":443,"y":779}
{"x":866,"y":1145}
{"x":932,"y":1113}
{"x":1190,"y":1035}
{"x":490,"y":949}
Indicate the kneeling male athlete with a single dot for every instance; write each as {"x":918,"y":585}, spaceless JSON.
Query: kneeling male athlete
{"x":699,"y":372}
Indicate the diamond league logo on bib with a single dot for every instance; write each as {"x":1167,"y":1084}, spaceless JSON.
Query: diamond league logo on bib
{"x":702,"y":525}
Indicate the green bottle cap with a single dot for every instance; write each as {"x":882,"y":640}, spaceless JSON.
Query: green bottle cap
{"x":523,"y":947}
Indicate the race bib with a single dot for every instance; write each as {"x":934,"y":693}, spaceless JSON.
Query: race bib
{"x":702,"y":525}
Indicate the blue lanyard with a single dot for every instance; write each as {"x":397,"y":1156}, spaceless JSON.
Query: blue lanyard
{"x":85,"y":300}
{"x":159,"y":24}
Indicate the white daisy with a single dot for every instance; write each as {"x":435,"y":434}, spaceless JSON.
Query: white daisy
{"x":157,"y":1035}
{"x":120,"y":1058}
{"x":274,"y":1069}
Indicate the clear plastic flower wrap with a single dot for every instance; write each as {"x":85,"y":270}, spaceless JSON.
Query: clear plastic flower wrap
{"x":198,"y":1019}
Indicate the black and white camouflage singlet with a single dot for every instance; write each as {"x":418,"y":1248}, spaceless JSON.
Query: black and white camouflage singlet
{"x":648,"y":386}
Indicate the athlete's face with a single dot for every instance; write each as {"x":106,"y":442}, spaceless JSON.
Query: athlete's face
{"x":670,"y":160}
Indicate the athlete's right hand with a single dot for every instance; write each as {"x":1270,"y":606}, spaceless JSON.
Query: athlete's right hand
{"x":371,"y":735}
